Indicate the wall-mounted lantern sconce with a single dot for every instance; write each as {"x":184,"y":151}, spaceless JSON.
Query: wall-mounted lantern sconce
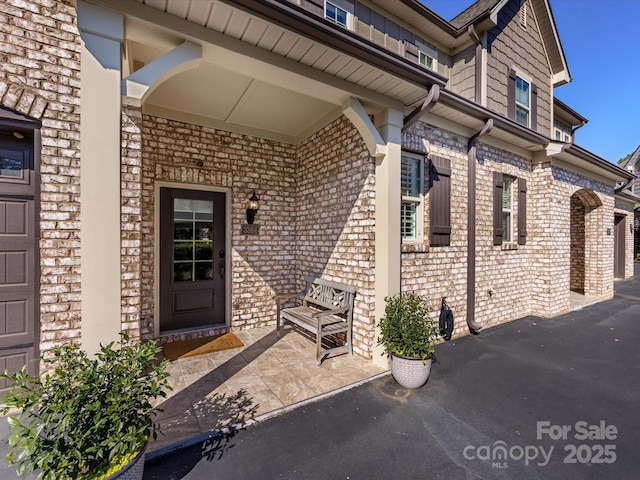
{"x":252,"y":208}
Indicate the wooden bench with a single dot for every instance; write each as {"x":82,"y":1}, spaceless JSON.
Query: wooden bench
{"x":324,"y":308}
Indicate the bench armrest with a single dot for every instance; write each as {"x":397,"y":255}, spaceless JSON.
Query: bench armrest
{"x":332,"y":311}
{"x":282,"y":298}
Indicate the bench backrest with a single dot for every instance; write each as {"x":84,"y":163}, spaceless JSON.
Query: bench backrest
{"x":327,"y":294}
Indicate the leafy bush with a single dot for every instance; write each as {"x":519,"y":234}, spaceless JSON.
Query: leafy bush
{"x":406,"y":328}
{"x":84,"y":415}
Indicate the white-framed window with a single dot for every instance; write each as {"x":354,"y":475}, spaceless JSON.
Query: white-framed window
{"x":427,"y":55}
{"x":335,"y":13}
{"x":412,"y":184}
{"x":507,"y":209}
{"x":562,"y":136}
{"x":523,"y":101}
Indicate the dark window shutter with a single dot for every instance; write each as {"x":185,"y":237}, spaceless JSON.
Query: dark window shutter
{"x":440,"y":201}
{"x":411,"y":51}
{"x":534,"y":107}
{"x":498,"y":187}
{"x":522,"y":211}
{"x":511,"y":95}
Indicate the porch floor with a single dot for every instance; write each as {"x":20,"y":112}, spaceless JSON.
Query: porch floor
{"x":250,"y":383}
{"x":578,"y":301}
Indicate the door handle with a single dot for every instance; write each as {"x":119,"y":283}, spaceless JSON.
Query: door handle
{"x":221,"y":263}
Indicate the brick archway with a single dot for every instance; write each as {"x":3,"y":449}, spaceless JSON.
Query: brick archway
{"x":585,"y":226}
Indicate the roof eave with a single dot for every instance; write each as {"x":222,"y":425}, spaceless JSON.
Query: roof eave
{"x":293,"y":17}
{"x":567,"y":112}
{"x":481,"y":113}
{"x":605,"y":168}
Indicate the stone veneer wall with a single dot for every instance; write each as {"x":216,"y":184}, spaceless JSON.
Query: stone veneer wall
{"x":40,"y":78}
{"x":335,"y":218}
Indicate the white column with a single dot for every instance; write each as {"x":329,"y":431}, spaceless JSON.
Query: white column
{"x":100,"y":123}
{"x":388,"y":241}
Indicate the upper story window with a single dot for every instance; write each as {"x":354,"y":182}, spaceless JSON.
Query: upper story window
{"x":562,"y":132}
{"x":427,"y":55}
{"x":562,"y":136}
{"x":523,"y":101}
{"x":411,"y":184}
{"x":335,"y":14}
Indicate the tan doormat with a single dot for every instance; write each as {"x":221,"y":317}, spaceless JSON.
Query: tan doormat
{"x":198,"y":346}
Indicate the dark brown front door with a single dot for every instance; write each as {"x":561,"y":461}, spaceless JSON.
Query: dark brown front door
{"x":192,"y":258}
{"x":18,"y":254}
{"x":619,"y":250}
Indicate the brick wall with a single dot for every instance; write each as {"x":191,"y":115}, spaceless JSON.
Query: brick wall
{"x":578,"y":213}
{"x":598,"y":201}
{"x":624,"y":208}
{"x":40,"y":78}
{"x":441,"y":271}
{"x":569,"y":242}
{"x":131,"y":221}
{"x":261,"y":264}
{"x":503,"y":273}
{"x":316,"y":213}
{"x":335,"y":225}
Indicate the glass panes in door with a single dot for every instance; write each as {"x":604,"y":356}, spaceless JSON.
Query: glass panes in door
{"x":192,"y":240}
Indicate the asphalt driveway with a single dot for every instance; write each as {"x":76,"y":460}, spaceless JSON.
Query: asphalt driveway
{"x":534,"y":398}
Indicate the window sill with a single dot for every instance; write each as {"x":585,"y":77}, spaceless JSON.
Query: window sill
{"x":415,"y":248}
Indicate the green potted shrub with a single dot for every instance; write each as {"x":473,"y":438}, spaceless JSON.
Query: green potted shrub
{"x":87,"y":418}
{"x":408,"y":334}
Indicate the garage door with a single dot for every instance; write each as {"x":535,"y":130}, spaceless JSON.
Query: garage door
{"x":18,"y":252}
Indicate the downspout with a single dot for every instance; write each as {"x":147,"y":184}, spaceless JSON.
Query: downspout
{"x":471,"y":31}
{"x":429,"y":102}
{"x":573,"y":130}
{"x":474,"y":327}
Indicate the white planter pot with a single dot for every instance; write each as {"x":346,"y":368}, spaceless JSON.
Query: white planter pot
{"x":410,"y":372}
{"x":132,"y":470}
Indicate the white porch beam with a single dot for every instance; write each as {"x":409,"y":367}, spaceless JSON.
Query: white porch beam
{"x":353,"y":110}
{"x":141,"y":83}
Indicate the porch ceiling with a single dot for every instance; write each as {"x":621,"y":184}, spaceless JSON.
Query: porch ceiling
{"x":256,"y":77}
